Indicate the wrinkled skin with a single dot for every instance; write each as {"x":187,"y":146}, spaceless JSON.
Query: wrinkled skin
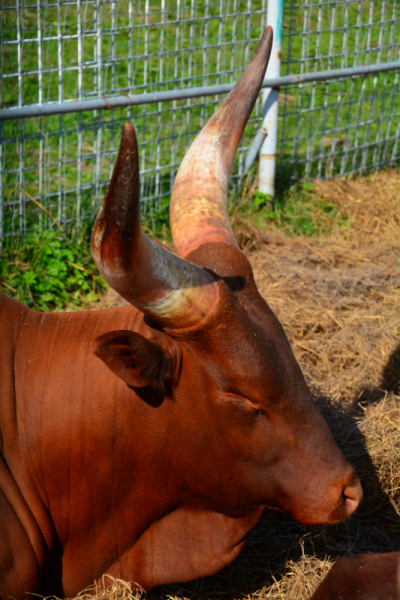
{"x":157,"y":485}
{"x":364,"y":577}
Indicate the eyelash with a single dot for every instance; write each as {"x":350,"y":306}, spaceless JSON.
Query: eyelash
{"x":259,"y":412}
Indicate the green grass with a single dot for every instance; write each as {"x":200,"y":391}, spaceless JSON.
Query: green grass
{"x":69,"y":192}
{"x":51,"y":272}
{"x":297,"y":211}
{"x":59,"y":191}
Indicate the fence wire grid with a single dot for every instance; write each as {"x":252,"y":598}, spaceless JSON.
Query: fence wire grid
{"x":55,"y":169}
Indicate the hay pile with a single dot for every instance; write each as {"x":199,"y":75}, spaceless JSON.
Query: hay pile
{"x":338,"y":300}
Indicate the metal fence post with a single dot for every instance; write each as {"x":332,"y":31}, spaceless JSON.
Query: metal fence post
{"x":269,"y":129}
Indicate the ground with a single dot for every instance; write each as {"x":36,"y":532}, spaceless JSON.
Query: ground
{"x":337,"y":298}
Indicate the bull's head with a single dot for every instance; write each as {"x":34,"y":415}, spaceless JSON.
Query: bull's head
{"x":209,"y":345}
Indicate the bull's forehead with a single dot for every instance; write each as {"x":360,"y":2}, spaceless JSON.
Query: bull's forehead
{"x":246,"y":344}
{"x":246,"y":352}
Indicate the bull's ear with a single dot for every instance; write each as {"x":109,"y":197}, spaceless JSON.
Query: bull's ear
{"x":137,"y":361}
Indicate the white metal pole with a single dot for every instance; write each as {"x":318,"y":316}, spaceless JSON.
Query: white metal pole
{"x":266,"y":177}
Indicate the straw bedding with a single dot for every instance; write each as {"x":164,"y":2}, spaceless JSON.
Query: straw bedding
{"x":338,"y":300}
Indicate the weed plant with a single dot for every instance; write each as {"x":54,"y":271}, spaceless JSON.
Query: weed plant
{"x":51,"y":272}
{"x":297,"y":211}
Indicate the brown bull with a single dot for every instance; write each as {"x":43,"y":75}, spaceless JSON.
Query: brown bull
{"x":363,"y":577}
{"x":146,"y":441}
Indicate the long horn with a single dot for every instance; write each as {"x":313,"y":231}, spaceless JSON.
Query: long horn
{"x":199,"y":203}
{"x":174,"y":292}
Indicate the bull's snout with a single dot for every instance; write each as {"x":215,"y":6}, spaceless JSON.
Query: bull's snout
{"x":352,"y":496}
{"x":350,"y":499}
{"x":344,"y":497}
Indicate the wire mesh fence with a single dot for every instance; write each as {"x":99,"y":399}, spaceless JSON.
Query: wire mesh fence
{"x":54,"y":169}
{"x":350,"y":125}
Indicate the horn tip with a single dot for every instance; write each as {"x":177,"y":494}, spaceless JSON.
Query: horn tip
{"x":128,"y":133}
{"x":268,"y":35}
{"x":128,"y":128}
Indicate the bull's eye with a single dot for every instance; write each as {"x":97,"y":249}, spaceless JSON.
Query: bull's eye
{"x":259,"y":413}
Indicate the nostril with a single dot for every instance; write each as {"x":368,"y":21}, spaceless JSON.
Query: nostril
{"x":352,"y":496}
{"x":351,"y":504}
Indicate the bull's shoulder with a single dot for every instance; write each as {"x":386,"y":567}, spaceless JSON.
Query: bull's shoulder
{"x":87,"y":321}
{"x":12,"y":313}
{"x":15,"y":314}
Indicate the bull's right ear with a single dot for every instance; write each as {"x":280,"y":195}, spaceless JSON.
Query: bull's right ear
{"x":134,"y":359}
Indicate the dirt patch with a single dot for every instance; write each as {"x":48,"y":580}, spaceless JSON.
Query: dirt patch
{"x":338,"y":300}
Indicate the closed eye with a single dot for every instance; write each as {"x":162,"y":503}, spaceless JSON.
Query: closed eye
{"x":238,"y":396}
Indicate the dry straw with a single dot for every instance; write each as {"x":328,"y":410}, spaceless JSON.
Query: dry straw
{"x":338,"y":300}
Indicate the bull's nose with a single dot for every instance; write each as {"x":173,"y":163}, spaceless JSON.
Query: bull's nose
{"x":352,"y":496}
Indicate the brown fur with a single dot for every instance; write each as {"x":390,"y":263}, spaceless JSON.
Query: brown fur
{"x":364,"y":577}
{"x":103,"y":477}
{"x":148,"y":450}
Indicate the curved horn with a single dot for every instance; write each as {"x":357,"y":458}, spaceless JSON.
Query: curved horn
{"x":199,"y":203}
{"x":176,"y":293}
